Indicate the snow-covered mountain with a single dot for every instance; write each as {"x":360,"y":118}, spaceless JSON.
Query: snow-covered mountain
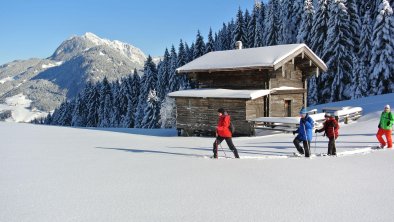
{"x":48,"y":82}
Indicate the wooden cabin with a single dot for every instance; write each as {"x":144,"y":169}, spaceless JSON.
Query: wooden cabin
{"x":249,"y":83}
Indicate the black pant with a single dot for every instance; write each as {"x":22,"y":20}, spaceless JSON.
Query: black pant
{"x":230,"y":144}
{"x":332,"y":150}
{"x":297,"y":142}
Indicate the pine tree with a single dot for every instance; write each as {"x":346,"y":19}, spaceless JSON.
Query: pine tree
{"x":173,"y":78}
{"x":239,"y":33}
{"x":382,"y":51}
{"x":361,"y":81}
{"x":163,"y":75}
{"x":93,"y":102}
{"x":250,"y":29}
{"x":210,"y":44}
{"x":148,"y":84}
{"x":151,"y":111}
{"x":168,"y":113}
{"x":79,"y":112}
{"x":306,"y":23}
{"x":272,"y":22}
{"x":133,"y":99}
{"x":338,"y":51}
{"x":199,"y":47}
{"x":259,"y":39}
{"x":184,"y":81}
{"x":105,"y":108}
{"x":319,"y":29}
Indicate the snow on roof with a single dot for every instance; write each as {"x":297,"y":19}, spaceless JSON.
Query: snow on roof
{"x":221,"y":93}
{"x":262,"y":57}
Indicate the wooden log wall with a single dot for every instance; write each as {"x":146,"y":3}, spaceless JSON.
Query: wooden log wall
{"x":277,"y":104}
{"x":233,"y":80}
{"x":198,"y":116}
{"x":293,"y":77}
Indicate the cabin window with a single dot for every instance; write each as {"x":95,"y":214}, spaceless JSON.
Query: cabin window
{"x":287,"y":108}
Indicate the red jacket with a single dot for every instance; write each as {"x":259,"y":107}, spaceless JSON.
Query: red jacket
{"x":223,"y":129}
{"x":330,"y":127}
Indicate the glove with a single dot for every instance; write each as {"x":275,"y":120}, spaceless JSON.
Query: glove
{"x":316,"y":131}
{"x":302,"y":120}
{"x":294,"y":132}
{"x":388,"y":123}
{"x":379,"y":126}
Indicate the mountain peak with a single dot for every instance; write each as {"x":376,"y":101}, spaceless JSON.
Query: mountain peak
{"x":80,"y":44}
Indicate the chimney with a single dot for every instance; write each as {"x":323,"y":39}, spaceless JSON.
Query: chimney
{"x":238,"y":45}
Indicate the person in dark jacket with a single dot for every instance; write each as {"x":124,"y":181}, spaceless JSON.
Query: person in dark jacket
{"x":330,"y":128}
{"x":223,"y":133}
{"x":304,"y":133}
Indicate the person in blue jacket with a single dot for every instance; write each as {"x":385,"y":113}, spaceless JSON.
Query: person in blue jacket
{"x":304,"y":132}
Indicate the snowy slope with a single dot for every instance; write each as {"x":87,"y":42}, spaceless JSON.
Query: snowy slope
{"x":52,"y":173}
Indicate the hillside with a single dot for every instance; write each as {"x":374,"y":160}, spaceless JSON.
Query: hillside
{"x":48,"y":82}
{"x":53,"y":173}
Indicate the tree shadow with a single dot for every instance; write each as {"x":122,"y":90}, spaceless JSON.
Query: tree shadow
{"x":139,"y":131}
{"x":151,"y":151}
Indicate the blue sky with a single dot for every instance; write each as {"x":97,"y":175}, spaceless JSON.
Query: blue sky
{"x":34,"y":28}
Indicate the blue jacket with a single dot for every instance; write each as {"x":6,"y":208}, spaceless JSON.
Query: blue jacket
{"x":305,"y":129}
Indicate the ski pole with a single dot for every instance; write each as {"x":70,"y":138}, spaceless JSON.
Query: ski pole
{"x":315,"y":143}
{"x":335,"y":145}
{"x":307,"y":141}
{"x":223,"y":150}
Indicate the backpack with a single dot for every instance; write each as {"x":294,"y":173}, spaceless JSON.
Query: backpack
{"x":231,"y":127}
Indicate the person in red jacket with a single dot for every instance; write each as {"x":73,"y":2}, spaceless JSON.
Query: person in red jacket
{"x":223,"y":133}
{"x":330,"y":128}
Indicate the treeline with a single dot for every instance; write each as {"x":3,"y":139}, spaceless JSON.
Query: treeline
{"x":354,"y":38}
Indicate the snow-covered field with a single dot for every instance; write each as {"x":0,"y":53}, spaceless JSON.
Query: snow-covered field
{"x":19,"y":105}
{"x":52,"y":173}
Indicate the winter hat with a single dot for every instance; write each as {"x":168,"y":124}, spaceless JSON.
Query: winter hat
{"x":327,"y":115}
{"x":303,"y":111}
{"x":387,"y":106}
{"x":221,"y":110}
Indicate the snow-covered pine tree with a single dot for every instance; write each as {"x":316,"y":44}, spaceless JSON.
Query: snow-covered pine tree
{"x":363,"y":67}
{"x":239,"y":32}
{"x":190,"y":51}
{"x":199,"y":47}
{"x":272,"y":23}
{"x":338,"y":51}
{"x":318,"y":33}
{"x":184,"y":81}
{"x":173,"y":78}
{"x":382,"y":62}
{"x":78,"y":116}
{"x":92,"y":96}
{"x":222,"y":39}
{"x":209,"y":47}
{"x":151,"y":111}
{"x":133,"y":98}
{"x":163,"y":74}
{"x":105,"y":108}
{"x":250,"y":29}
{"x":148,"y":83}
{"x":168,"y":113}
{"x":355,"y":24}
{"x":122,"y":100}
{"x":230,"y":35}
{"x":291,"y":12}
{"x":259,"y":39}
{"x":119,"y":104}
{"x":304,"y":33}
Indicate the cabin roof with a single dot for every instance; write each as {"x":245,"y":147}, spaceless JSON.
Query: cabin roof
{"x":227,"y":93}
{"x":271,"y":57}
